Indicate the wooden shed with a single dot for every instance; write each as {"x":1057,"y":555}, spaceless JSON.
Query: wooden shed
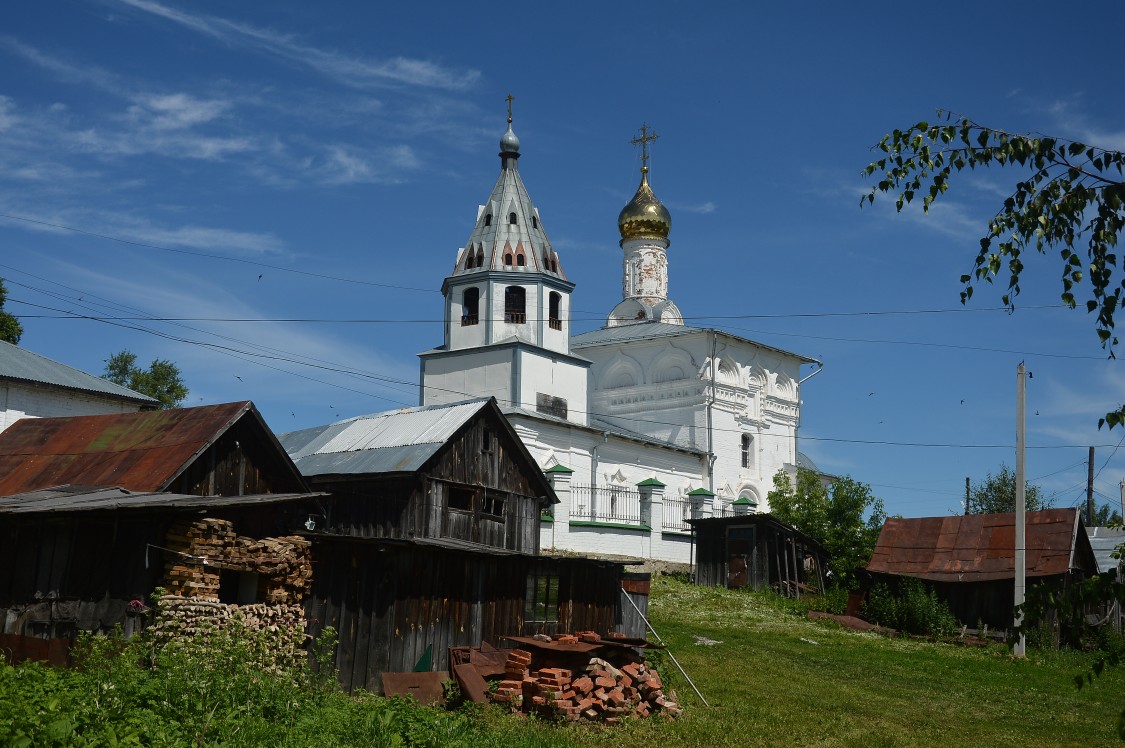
{"x":969,"y":560}
{"x":758,"y":551}
{"x":430,"y":539}
{"x":88,"y":505}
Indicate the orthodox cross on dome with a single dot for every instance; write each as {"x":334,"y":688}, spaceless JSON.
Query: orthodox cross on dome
{"x":646,"y":137}
{"x":510,"y":99}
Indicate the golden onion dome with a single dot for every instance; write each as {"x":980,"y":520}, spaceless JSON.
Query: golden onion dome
{"x":644,"y":217}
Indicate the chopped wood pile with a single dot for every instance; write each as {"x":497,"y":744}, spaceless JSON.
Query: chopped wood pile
{"x":572,"y":677}
{"x":200,"y":550}
{"x":177,"y":618}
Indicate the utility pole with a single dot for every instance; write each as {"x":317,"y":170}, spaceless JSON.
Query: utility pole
{"x":966,"y":495}
{"x":1090,"y":491}
{"x":1123,"y":499}
{"x":1021,"y":471}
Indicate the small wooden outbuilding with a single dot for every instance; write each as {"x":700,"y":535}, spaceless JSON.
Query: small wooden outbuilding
{"x":758,"y":551}
{"x":430,"y":539}
{"x":969,"y":560}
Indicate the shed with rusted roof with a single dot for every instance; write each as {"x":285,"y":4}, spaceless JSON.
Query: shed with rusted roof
{"x":969,"y":560}
{"x":96,"y":512}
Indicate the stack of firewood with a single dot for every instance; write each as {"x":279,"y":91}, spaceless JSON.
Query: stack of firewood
{"x":201,"y":549}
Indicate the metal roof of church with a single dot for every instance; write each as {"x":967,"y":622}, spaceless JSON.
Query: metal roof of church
{"x":653,"y":330}
{"x":24,"y":365}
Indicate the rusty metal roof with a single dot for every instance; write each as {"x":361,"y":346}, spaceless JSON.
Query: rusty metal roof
{"x":94,"y":498}
{"x":981,"y":547}
{"x":138,"y":451}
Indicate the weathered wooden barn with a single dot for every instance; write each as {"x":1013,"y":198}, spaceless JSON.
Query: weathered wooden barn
{"x":969,"y":560}
{"x":88,"y":506}
{"x":758,"y":551}
{"x":430,"y":539}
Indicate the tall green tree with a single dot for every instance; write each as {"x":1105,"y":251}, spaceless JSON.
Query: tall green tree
{"x":1105,"y":515}
{"x":161,"y":380}
{"x":1069,"y":193}
{"x":844,"y":517}
{"x":997,"y":494}
{"x":10,"y":328}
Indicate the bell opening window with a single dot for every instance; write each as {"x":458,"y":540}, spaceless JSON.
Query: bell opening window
{"x":534,"y":222}
{"x":487,"y":219}
{"x":515,"y":305}
{"x":554,"y":301}
{"x":470,"y":307}
{"x":521,"y":260}
{"x":507,"y":259}
{"x":512,"y":219}
{"x":480,"y":257}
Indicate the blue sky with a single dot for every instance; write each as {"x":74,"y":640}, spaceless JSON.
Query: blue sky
{"x":323,"y":161}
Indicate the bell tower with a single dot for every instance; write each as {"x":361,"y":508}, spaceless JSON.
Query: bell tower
{"x":507,"y":309}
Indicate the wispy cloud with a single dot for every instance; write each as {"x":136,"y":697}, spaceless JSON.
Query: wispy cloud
{"x":704,"y":208}
{"x":345,"y":69}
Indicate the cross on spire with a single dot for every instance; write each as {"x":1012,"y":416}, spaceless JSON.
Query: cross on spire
{"x":510,"y":99}
{"x":646,"y":137}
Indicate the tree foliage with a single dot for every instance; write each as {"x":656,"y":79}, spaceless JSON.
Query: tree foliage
{"x":1072,"y":192}
{"x":10,"y":328}
{"x":997,"y":494}
{"x":844,"y":517}
{"x":1104,"y":516}
{"x":161,"y":380}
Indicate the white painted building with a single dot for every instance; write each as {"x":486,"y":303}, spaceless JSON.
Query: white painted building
{"x":34,"y":386}
{"x":641,"y":424}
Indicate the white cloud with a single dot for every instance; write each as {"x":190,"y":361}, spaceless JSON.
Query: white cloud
{"x":176,"y":111}
{"x":345,"y":69}
{"x":704,"y":208}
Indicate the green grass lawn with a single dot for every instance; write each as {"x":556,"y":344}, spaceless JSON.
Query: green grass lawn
{"x":777,"y":679}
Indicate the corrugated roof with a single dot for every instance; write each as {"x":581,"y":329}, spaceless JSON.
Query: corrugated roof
{"x":395,"y":441}
{"x":1104,"y":541}
{"x":141,"y":451}
{"x":978,"y":547}
{"x":86,"y":499}
{"x":601,"y":426}
{"x":28,"y":366}
{"x":654,"y":330}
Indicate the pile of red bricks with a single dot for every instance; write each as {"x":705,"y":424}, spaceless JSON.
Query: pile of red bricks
{"x":602,"y":693}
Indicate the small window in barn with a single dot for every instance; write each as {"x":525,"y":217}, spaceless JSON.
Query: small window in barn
{"x":486,"y":441}
{"x":542,"y":602}
{"x":461,"y":498}
{"x":493,"y":504}
{"x":238,"y":587}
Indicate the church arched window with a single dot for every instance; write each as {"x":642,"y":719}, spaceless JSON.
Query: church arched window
{"x":480,"y":257}
{"x":470,"y":307}
{"x":515,"y":309}
{"x":554,"y":301}
{"x":487,"y":219}
{"x":521,"y":260}
{"x":534,"y":222}
{"x":747,"y":451}
{"x":507,"y":259}
{"x":512,"y":219}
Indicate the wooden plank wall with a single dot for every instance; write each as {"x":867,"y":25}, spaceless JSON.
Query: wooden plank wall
{"x":389,"y":604}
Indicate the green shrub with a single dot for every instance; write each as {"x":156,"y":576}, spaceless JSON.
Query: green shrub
{"x":914,"y":609}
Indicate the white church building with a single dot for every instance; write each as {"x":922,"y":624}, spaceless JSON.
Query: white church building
{"x":642,"y":424}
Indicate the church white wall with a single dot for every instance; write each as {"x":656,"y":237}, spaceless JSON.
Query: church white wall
{"x":467,"y":336}
{"x":29,"y":401}
{"x":480,"y":373}
{"x":549,"y":376}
